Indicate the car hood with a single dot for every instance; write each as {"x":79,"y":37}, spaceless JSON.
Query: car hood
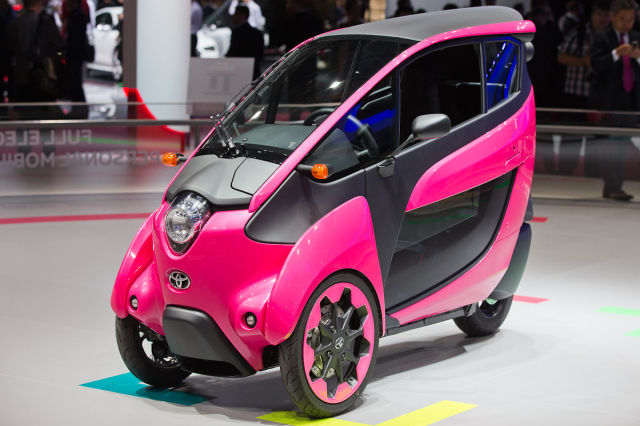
{"x":222,"y":181}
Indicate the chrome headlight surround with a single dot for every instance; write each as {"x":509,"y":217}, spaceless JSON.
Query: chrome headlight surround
{"x":184,"y":220}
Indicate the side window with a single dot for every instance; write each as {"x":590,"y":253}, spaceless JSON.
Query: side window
{"x":365,"y":134}
{"x":447,"y":81}
{"x":501,"y":71}
{"x":373,"y":56}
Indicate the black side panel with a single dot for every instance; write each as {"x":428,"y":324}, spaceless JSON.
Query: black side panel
{"x":194,"y":335}
{"x":441,"y":239}
{"x":393,"y":328}
{"x":299,"y":203}
{"x":509,"y":283}
{"x":388,"y":197}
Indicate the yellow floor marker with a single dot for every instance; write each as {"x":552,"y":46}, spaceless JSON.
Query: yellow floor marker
{"x":430,"y":414}
{"x":422,"y":417}
{"x":293,"y":418}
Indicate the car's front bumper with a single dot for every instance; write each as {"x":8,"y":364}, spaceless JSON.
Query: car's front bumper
{"x":200,"y":345}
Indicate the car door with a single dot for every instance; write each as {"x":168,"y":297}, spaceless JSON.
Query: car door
{"x":437,"y":206}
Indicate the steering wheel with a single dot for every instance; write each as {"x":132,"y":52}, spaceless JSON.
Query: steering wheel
{"x":364,"y":134}
{"x":315,"y":114}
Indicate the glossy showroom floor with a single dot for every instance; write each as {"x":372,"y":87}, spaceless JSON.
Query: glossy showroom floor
{"x":568,"y":353}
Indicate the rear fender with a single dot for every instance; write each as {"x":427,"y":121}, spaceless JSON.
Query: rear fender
{"x":342,"y":240}
{"x":138,"y":258}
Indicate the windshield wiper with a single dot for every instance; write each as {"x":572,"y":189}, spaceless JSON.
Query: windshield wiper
{"x":225,"y":138}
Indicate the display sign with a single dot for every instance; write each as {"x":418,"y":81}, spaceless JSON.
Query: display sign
{"x":85,"y":158}
{"x":214,"y":82}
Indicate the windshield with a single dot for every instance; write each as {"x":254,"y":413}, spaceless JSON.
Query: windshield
{"x":275,"y":117}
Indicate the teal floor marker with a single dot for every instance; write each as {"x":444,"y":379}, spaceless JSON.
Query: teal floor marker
{"x":128,"y":384}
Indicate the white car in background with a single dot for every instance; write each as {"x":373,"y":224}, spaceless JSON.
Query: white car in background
{"x":105,"y":39}
{"x":214,"y":38}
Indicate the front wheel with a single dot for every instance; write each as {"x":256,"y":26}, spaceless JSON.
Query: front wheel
{"x":327,"y":361}
{"x":146,"y":354}
{"x":488,"y":317}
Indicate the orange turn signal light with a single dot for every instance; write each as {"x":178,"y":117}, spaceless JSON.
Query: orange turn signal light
{"x":170,"y":159}
{"x":320,"y":171}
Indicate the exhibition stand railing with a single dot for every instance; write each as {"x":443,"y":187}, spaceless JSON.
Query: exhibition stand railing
{"x":117,"y":151}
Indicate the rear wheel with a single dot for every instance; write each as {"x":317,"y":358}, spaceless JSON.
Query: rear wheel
{"x":327,"y":361}
{"x":146,"y":354}
{"x":488,"y":317}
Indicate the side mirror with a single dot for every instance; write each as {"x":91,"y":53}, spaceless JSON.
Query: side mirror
{"x":430,"y":126}
{"x":530,"y":50}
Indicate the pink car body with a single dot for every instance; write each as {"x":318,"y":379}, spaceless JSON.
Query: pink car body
{"x":253,"y":278}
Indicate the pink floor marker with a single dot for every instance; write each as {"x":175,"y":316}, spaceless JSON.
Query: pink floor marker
{"x":539,"y":219}
{"x":46,"y":219}
{"x":528,"y":299}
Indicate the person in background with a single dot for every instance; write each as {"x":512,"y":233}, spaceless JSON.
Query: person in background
{"x":520,"y":8}
{"x":573,"y":53}
{"x":34,"y":43}
{"x":543,"y":68}
{"x":301,"y":23}
{"x":54,"y":8}
{"x":616,"y":87}
{"x":337,"y":14}
{"x":76,"y":31}
{"x":246,"y":41}
{"x":353,"y":15}
{"x":404,"y":8}
{"x":196,"y":23}
{"x":572,"y":18}
{"x":208,"y":7}
{"x":7,"y":14}
{"x":256,"y":20}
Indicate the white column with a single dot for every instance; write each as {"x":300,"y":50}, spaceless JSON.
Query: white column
{"x":162,"y":55}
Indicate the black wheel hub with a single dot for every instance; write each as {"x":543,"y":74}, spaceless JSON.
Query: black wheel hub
{"x":338,"y":342}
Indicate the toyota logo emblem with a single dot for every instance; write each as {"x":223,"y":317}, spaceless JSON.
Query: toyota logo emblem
{"x":179,"y":280}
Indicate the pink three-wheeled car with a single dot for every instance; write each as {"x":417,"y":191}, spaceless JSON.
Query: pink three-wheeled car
{"x":374,"y":180}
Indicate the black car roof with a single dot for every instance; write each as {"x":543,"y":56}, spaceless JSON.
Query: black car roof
{"x":420,"y":26}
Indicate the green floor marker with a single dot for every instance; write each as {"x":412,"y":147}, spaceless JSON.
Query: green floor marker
{"x":634,"y":333}
{"x":620,"y":311}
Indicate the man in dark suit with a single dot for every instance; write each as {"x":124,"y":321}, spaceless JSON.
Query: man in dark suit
{"x":616,"y":86}
{"x":246,"y":41}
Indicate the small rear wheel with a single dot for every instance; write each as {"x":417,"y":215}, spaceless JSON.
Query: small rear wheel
{"x":146,"y":354}
{"x":488,"y":317}
{"x":327,"y":361}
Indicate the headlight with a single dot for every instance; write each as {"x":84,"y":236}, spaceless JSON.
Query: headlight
{"x":187,"y":215}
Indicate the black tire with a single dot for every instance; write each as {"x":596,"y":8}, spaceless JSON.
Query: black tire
{"x":159,"y":368}
{"x":487,"y":318}
{"x":290,"y":354}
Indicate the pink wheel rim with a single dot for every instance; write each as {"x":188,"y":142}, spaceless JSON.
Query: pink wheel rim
{"x":338,"y":343}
